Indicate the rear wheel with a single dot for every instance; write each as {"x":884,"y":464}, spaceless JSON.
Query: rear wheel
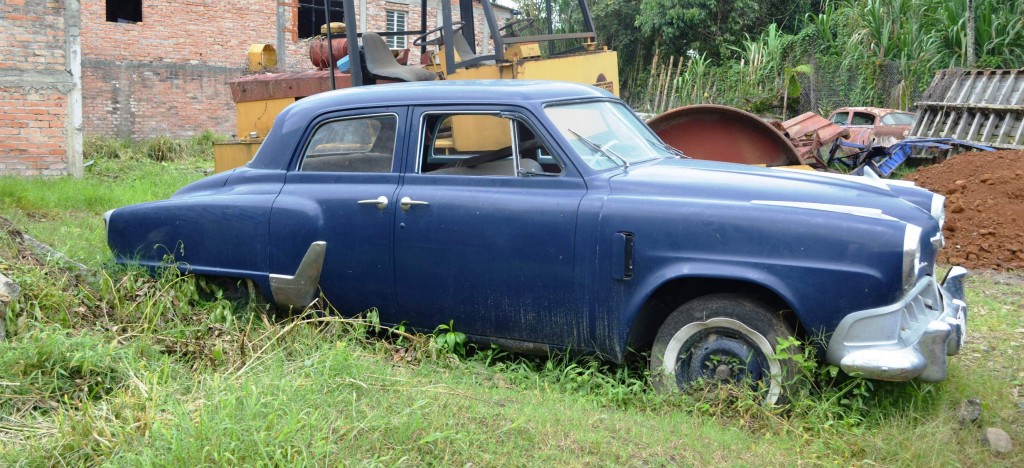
{"x":722,"y":337}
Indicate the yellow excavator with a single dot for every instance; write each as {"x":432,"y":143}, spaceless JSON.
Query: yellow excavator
{"x":448,"y":52}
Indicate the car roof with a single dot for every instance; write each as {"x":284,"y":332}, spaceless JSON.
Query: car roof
{"x":448,"y":92}
{"x":289,"y":124}
{"x":873,"y":110}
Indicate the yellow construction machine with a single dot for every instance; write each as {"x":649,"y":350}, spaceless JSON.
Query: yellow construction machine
{"x":448,"y":52}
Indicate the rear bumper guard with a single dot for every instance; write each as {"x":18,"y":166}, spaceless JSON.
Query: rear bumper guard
{"x":909,"y":339}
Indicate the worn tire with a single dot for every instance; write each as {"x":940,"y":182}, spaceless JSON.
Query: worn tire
{"x":702,"y":334}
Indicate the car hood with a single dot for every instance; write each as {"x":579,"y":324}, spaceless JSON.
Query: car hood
{"x":718,"y":182}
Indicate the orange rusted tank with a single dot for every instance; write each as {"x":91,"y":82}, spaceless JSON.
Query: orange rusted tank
{"x":319,"y":51}
{"x":721,"y":133}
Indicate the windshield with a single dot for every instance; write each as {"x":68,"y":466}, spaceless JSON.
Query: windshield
{"x":607,"y":134}
{"x":898,"y":118}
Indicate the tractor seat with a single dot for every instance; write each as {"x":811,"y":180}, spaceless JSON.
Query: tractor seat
{"x":381,"y":64}
{"x":461,"y":47}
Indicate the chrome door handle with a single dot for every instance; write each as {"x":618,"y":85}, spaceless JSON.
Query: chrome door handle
{"x":381,"y":202}
{"x":405,"y":203}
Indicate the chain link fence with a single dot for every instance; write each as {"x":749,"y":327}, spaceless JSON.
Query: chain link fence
{"x":671,"y":83}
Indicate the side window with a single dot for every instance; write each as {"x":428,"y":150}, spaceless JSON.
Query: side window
{"x":483,"y":145}
{"x":534,"y":155}
{"x":862,"y":118}
{"x":841,"y":119}
{"x":361,"y":144}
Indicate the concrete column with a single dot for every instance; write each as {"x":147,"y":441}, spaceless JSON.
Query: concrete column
{"x":282,"y":46}
{"x":73,"y":65}
{"x":362,"y":15}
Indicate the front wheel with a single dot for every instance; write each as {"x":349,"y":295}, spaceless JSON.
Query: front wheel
{"x":722,"y":337}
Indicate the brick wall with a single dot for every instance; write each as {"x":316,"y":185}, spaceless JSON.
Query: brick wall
{"x":32,"y":131}
{"x":39,"y":93}
{"x":168,"y":74}
{"x":181,"y":31}
{"x":141,"y":100}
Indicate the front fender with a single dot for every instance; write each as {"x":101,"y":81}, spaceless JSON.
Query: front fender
{"x":811,"y":299}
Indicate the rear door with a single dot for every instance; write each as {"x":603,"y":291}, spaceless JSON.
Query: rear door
{"x":862,"y":127}
{"x":341,"y":191}
{"x":485,"y":229}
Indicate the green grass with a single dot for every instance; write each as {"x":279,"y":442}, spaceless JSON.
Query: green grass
{"x":123,"y":369}
{"x":67,"y":213}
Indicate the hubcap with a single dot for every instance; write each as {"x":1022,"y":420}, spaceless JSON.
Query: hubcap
{"x":706,"y":346}
{"x":720,"y":354}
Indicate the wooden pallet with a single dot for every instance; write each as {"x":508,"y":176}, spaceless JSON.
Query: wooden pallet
{"x":980,"y":106}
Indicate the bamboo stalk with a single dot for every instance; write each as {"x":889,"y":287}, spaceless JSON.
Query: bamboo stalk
{"x":666,"y":95}
{"x":650,"y":79}
{"x":675,"y":84}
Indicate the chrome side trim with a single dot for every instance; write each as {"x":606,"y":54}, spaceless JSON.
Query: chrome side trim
{"x":911,"y":255}
{"x":300,"y":290}
{"x":864,"y":180}
{"x":852,"y":210}
{"x":938,"y":209}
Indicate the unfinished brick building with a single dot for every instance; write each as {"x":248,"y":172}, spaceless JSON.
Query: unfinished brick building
{"x":40,"y":88}
{"x":143,"y":68}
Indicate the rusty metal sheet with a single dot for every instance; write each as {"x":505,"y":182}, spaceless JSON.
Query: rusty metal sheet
{"x":811,"y":123}
{"x":286,"y":85}
{"x":809,"y":132}
{"x":721,"y":133}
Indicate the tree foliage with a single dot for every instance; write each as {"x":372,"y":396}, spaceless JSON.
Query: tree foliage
{"x":713,"y":26}
{"x":737,"y":52}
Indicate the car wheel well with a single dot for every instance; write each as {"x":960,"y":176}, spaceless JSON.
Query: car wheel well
{"x":672,"y":294}
{"x":232,"y":289}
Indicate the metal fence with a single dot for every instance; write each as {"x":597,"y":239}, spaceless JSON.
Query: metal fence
{"x":824,"y":90}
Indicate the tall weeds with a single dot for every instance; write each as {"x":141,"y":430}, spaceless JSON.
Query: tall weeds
{"x":863,"y":52}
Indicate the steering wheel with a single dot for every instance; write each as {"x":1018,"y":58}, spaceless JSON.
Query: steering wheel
{"x":514,"y":31}
{"x":423,"y":39}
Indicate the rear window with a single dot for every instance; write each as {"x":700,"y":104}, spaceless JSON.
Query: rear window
{"x":359,"y":144}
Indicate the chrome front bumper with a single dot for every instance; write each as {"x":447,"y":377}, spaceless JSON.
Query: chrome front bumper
{"x":906,"y":340}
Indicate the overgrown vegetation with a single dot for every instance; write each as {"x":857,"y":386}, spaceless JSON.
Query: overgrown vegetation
{"x":862,"y":52}
{"x":115,"y":366}
{"x":159,"y":149}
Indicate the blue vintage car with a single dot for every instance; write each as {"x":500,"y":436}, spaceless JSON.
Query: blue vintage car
{"x":545,"y":215}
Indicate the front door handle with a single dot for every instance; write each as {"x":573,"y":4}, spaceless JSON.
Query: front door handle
{"x":381,"y":202}
{"x":405,"y":203}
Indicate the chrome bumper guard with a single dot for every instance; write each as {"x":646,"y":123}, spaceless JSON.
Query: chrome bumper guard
{"x":906,"y":340}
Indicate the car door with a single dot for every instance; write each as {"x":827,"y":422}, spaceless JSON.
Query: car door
{"x":341,"y":191}
{"x":486,"y":228}
{"x":862,"y":126}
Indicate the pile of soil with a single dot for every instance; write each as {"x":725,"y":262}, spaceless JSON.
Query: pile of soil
{"x":984,"y":208}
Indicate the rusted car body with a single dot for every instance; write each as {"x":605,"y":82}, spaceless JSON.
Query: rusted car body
{"x":873,"y":126}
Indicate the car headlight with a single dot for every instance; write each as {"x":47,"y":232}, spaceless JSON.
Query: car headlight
{"x":911,"y":255}
{"x":938,"y":210}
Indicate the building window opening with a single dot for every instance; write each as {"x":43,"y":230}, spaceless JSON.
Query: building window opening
{"x":396,"y":23}
{"x":124,"y":11}
{"x":311,"y":16}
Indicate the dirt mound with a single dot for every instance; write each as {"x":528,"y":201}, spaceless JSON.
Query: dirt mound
{"x":984,"y":208}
